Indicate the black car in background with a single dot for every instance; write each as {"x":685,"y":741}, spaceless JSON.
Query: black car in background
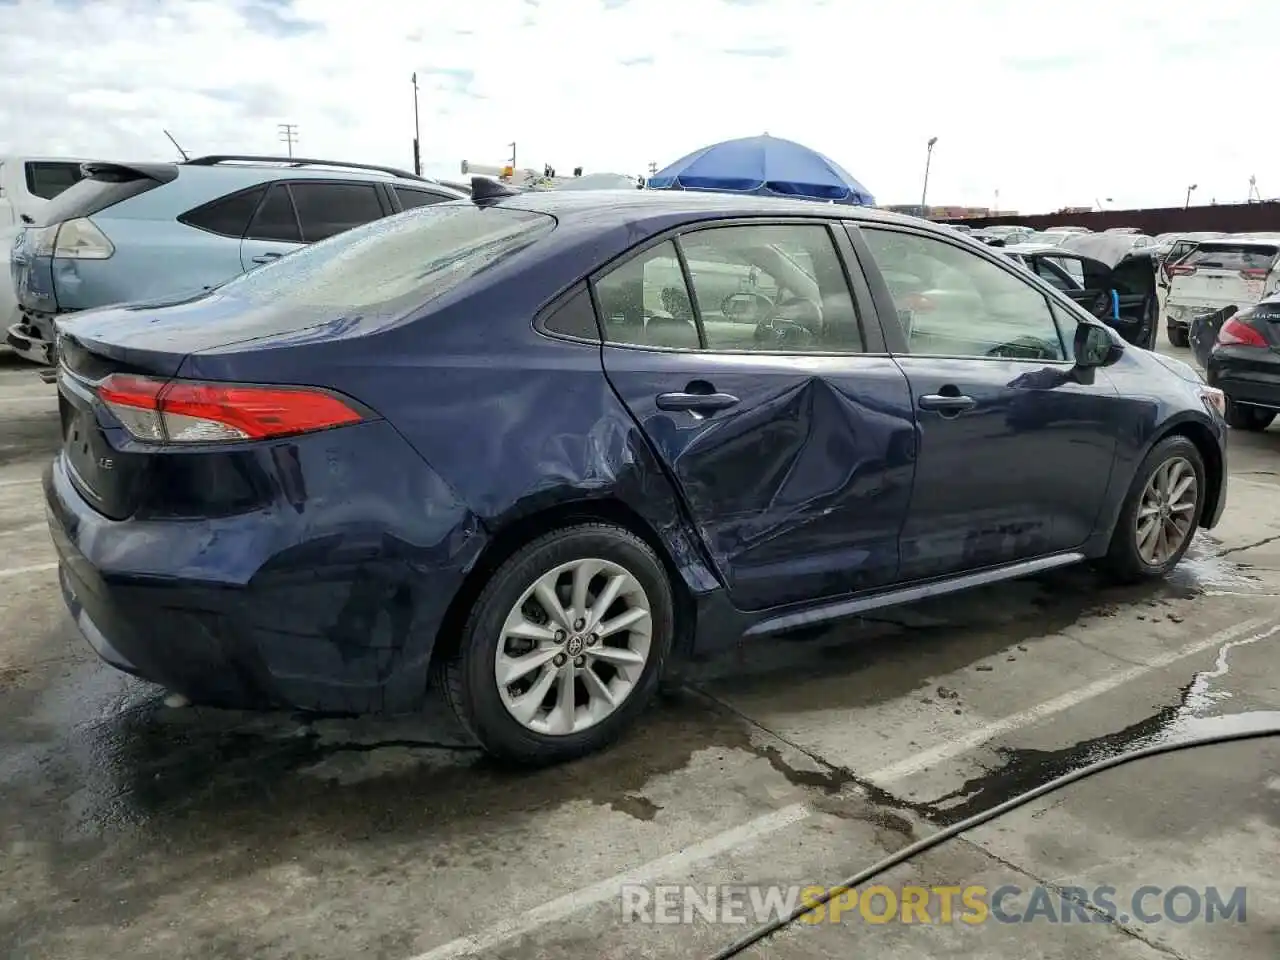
{"x":1240,"y":353}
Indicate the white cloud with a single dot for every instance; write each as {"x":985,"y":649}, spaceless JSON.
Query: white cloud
{"x":1050,"y":104}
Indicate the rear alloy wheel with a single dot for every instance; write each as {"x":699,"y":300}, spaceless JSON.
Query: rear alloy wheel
{"x":1160,"y":513}
{"x":1248,"y":418}
{"x":1178,"y":337}
{"x":564,"y":647}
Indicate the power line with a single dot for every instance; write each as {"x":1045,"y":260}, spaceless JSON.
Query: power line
{"x":288,"y":134}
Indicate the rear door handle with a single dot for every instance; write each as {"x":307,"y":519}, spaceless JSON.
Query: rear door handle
{"x":697,"y":402}
{"x":947,"y":404}
{"x":267,"y":257}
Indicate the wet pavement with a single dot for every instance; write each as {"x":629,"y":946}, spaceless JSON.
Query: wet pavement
{"x":131,"y":829}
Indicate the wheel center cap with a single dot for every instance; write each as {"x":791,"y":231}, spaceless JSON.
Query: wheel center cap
{"x":574,"y":646}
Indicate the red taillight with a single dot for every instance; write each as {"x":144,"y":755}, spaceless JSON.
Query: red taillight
{"x":1177,"y":271}
{"x":1254,"y":274}
{"x":180,"y":412}
{"x":1235,"y":333}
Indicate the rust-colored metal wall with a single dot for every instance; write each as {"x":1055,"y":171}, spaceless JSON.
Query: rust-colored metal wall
{"x":1226,"y":218}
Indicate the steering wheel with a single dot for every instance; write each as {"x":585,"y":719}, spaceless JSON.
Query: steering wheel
{"x":782,"y":333}
{"x":1022,"y":348}
{"x":747,"y":307}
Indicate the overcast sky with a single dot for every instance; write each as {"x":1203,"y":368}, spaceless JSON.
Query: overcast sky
{"x":1050,"y":104}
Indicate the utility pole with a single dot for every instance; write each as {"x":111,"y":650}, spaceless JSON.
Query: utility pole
{"x":653,"y":167}
{"x":417,"y":132}
{"x":512,"y":145}
{"x":924,"y":193}
{"x":1187,"y":204}
{"x":288,"y":134}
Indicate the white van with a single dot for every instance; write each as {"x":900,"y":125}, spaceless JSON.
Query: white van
{"x":1235,"y":270}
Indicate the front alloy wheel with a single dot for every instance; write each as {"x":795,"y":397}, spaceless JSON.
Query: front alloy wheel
{"x":1164,"y":520}
{"x":1160,"y":513}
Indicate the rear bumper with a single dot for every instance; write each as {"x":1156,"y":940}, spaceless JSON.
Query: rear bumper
{"x":30,"y":342}
{"x":1178,"y":316}
{"x":1246,"y":375}
{"x":308,"y":608}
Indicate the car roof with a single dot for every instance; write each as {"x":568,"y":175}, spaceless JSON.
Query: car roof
{"x":1241,"y":241}
{"x":1032,"y":248}
{"x":615,"y":207}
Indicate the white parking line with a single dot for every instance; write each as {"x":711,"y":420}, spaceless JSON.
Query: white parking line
{"x":18,"y":483}
{"x":1264,"y":484}
{"x":605,"y":890}
{"x":19,"y":571}
{"x":39,"y":398}
{"x":975,"y":738}
{"x":564,"y":906}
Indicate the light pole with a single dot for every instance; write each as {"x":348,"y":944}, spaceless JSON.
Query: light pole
{"x":417,"y":131}
{"x":1188,"y":200}
{"x":924,"y":193}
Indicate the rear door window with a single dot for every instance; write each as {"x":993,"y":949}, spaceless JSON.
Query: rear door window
{"x":1230,"y":256}
{"x":410,"y":198}
{"x":227,"y":216}
{"x":48,"y":178}
{"x":276,"y":219}
{"x":327,"y":209}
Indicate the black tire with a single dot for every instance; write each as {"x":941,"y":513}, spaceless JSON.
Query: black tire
{"x":1123,"y":563}
{"x":468,"y":677}
{"x":1178,"y":337}
{"x":1254,"y":419}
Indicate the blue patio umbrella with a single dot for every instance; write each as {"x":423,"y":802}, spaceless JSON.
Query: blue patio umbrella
{"x":764,"y":165}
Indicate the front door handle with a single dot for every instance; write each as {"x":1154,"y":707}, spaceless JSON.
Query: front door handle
{"x":267,"y":257}
{"x":945,"y":403}
{"x":696,"y":402}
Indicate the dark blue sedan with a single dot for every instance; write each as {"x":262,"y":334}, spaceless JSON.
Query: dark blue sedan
{"x":543,"y":444}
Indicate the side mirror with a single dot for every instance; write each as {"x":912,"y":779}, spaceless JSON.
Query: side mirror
{"x":1095,"y":346}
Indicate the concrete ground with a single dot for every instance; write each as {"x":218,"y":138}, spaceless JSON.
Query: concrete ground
{"x":128,"y":829}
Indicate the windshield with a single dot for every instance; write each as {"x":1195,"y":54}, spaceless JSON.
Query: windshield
{"x":396,"y":263}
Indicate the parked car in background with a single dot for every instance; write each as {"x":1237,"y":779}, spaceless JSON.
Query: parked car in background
{"x":1240,"y":353}
{"x":140,"y":231}
{"x":535,"y":442}
{"x":1067,"y":229}
{"x":1236,"y":271}
{"x":1046,"y":238}
{"x":1110,"y":275}
{"x":1009,"y":233}
{"x":26,"y":185}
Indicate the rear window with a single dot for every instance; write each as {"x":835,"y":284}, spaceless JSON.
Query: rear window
{"x":384,"y":267}
{"x":48,"y":178}
{"x":93,"y":195}
{"x":1229,"y":256}
{"x":227,"y":216}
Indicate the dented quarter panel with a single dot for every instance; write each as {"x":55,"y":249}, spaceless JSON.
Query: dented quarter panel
{"x":327,"y":595}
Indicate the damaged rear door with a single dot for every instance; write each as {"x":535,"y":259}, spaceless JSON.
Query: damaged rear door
{"x":740,"y":350}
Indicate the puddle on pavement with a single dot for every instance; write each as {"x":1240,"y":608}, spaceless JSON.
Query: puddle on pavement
{"x":1023,"y":769}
